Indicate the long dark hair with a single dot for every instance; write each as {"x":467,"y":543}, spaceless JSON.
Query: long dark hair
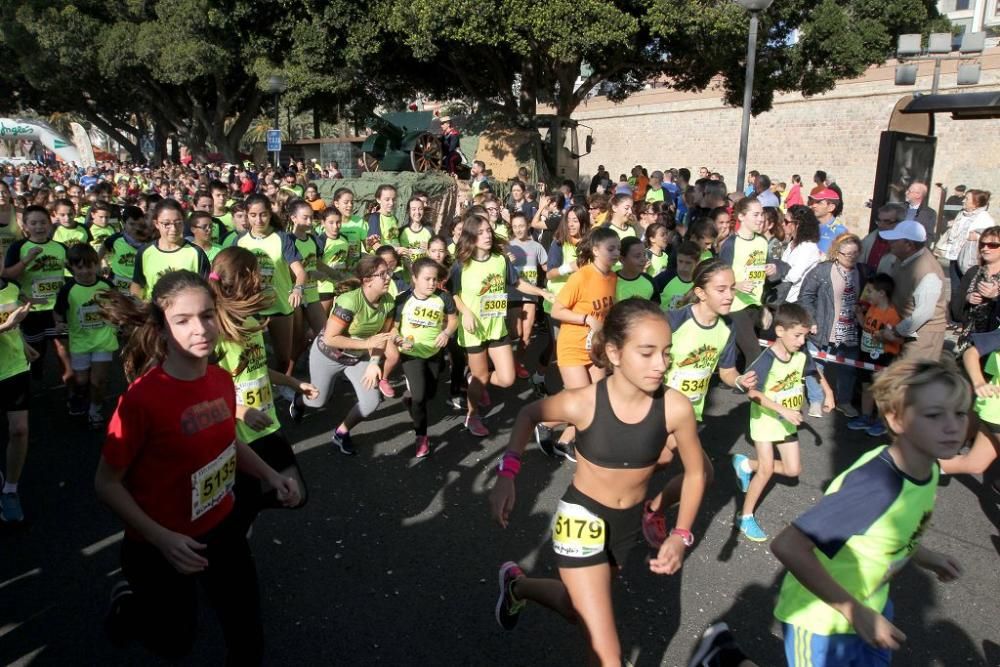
{"x":561,"y":235}
{"x":465,"y":249}
{"x":597,"y":236}
{"x":807,"y":225}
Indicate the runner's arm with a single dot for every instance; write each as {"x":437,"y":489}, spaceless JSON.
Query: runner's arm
{"x":108,"y":483}
{"x":680,"y":414}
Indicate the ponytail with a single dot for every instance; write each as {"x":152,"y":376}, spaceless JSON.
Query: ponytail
{"x":585,"y":249}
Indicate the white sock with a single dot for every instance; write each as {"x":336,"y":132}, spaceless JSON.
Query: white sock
{"x":10,"y":487}
{"x":746,"y":516}
{"x":745,"y":465}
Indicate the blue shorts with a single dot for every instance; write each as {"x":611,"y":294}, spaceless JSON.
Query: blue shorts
{"x":806,"y":649}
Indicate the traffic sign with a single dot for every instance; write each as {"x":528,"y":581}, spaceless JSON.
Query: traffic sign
{"x":274,"y":140}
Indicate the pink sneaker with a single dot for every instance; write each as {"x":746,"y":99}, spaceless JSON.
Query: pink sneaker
{"x":654,"y":526}
{"x":521,"y":371}
{"x":386,"y":388}
{"x":475,"y":426}
{"x":423,"y":446}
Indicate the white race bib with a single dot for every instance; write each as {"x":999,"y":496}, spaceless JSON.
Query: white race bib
{"x":90,"y":317}
{"x":492,"y":306}
{"x":692,"y":382}
{"x":255,"y":394}
{"x":46,"y":287}
{"x":790,"y":398}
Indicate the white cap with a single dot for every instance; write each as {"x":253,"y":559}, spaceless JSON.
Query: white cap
{"x":908,"y":230}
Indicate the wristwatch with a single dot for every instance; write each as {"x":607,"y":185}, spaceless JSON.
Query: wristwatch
{"x":687,"y":537}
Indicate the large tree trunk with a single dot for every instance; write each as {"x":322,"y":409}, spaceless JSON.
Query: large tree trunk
{"x":114,"y":129}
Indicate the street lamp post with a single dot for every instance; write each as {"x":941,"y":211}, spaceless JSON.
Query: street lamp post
{"x":755,"y":7}
{"x":276,"y":85}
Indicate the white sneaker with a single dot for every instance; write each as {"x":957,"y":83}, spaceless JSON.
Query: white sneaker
{"x":816,"y":410}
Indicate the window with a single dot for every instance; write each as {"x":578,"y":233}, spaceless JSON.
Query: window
{"x":961,"y":5}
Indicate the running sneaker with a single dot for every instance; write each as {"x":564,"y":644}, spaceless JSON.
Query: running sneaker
{"x":877,"y":429}
{"x":118,"y":624}
{"x":654,"y":526}
{"x":741,"y":465}
{"x":386,"y":388}
{"x":861,"y":423}
{"x":816,"y":409}
{"x":297,"y":408}
{"x":10,"y":508}
{"x":476,"y":427}
{"x":423,"y":446}
{"x":76,"y":406}
{"x":538,"y":386}
{"x":543,"y":436}
{"x":508,"y":607}
{"x":343,"y":443}
{"x":848,"y":410}
{"x":567,"y":450}
{"x":457,"y":402}
{"x":521,"y":371}
{"x":717,"y":648}
{"x":751,"y":529}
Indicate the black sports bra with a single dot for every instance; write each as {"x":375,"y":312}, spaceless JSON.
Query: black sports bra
{"x":611,"y":443}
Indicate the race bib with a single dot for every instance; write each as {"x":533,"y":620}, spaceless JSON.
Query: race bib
{"x":872,"y":347}
{"x":756,"y":273}
{"x":577,"y":532}
{"x":211,"y":484}
{"x":530,"y":275}
{"x":267,"y":272}
{"x":693,"y":383}
{"x":90,"y":317}
{"x":255,"y":394}
{"x":493,"y":306}
{"x":123,"y":285}
{"x":46,"y":287}
{"x":790,"y":398}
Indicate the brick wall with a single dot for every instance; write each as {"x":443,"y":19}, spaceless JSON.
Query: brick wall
{"x":837,"y":132}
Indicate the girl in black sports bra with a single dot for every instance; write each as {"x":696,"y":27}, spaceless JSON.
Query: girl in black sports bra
{"x":626,"y":424}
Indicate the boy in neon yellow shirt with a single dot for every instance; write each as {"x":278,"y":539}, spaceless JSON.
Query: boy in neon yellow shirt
{"x":842,"y":554}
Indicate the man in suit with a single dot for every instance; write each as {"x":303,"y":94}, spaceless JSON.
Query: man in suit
{"x":917,"y":209}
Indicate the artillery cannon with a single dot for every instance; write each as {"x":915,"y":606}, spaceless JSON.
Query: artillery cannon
{"x":402,"y":142}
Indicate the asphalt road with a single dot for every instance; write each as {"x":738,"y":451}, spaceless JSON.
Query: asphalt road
{"x":394,"y":562}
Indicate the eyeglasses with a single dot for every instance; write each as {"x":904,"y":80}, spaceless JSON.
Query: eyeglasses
{"x":848,"y":255}
{"x":594,"y":208}
{"x":384,"y":275}
{"x":992,"y":245}
{"x":203,"y":228}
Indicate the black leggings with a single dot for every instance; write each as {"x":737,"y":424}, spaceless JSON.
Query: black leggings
{"x":744,"y":323}
{"x":458,"y":365}
{"x":253,"y":495}
{"x":164,"y":610}
{"x":422,"y":377}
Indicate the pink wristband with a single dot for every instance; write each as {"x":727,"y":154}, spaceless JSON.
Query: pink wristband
{"x":509,"y":465}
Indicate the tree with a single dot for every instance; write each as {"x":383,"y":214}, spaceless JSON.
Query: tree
{"x":509,"y":56}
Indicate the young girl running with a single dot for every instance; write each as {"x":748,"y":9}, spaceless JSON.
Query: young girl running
{"x":170,"y":251}
{"x":352,"y":227}
{"x":427,"y":320}
{"x":413,"y":238}
{"x":310,"y":312}
{"x":168,"y":468}
{"x":627,"y":423}
{"x":353,"y":343}
{"x":620,"y":220}
{"x":529,"y":258}
{"x":480,"y":280}
{"x":657,"y":241}
{"x":437,"y":250}
{"x":235,"y":279}
{"x":282,"y":275}
{"x":633,"y":281}
{"x":573,"y":227}
{"x":581,"y":307}
{"x":701,"y":342}
{"x":333,"y":252}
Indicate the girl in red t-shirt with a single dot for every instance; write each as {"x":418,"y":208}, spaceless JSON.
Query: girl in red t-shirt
{"x":168,"y":467}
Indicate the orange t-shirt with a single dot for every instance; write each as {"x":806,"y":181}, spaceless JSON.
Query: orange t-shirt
{"x":877,"y":319}
{"x":587,"y":292}
{"x":318,"y":205}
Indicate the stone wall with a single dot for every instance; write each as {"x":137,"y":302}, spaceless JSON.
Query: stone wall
{"x":837,"y":132}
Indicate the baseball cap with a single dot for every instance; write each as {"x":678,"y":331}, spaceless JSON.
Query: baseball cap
{"x":826,"y":193}
{"x":908,"y":230}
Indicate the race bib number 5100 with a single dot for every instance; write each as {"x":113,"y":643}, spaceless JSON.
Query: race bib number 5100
{"x":577,"y":532}
{"x":211,"y":484}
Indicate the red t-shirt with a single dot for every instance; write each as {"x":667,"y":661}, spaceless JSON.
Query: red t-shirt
{"x":177,"y":438}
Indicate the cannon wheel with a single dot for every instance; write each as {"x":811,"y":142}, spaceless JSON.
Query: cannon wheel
{"x":426,"y":153}
{"x":372,"y":163}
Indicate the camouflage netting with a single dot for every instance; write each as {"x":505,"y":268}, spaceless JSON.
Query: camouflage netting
{"x":441,"y":188}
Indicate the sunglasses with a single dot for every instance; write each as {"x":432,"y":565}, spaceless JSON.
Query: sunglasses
{"x":992,"y":245}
